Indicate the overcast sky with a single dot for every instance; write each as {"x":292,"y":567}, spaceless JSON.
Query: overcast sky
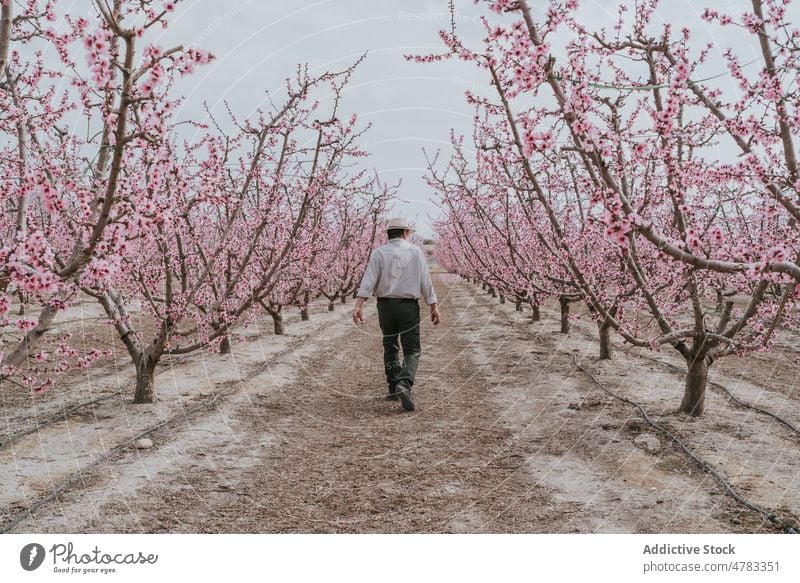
{"x":410,"y":106}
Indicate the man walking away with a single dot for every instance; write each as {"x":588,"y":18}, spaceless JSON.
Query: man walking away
{"x":398,"y":274}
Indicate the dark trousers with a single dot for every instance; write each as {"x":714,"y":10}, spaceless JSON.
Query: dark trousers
{"x":399,"y":320}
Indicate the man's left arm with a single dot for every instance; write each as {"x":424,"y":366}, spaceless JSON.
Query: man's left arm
{"x":428,"y":293}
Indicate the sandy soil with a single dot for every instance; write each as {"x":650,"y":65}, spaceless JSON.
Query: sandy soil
{"x":508,"y":436}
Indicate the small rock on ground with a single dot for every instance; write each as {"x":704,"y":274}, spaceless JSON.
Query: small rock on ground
{"x":648,"y":442}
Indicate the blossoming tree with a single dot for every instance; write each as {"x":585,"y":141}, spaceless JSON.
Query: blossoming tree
{"x":640,"y":178}
{"x":65,"y":193}
{"x":232,"y":217}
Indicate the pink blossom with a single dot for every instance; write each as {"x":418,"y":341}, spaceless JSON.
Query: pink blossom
{"x":26,"y":324}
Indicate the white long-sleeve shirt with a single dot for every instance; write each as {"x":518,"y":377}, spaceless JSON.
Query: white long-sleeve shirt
{"x":397,"y":270}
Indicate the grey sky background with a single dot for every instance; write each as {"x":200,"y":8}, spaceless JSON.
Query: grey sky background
{"x":410,"y":106}
{"x":258,"y":43}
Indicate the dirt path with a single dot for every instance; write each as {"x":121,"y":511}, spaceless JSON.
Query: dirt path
{"x":341,"y":458}
{"x":507,"y":437}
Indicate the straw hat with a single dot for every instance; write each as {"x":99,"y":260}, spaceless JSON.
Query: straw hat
{"x":399,"y":223}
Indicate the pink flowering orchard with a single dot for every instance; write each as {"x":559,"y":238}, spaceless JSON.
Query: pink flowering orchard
{"x":240,"y":218}
{"x":178,"y":241}
{"x":601,"y":168}
{"x":609,"y":155}
{"x":69,"y":194}
{"x":266,"y":268}
{"x":354,"y":229}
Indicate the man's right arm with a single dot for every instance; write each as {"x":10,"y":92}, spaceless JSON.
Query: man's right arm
{"x":427,"y":290}
{"x":370,"y":279}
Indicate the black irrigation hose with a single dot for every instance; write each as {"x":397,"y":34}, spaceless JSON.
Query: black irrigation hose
{"x":55,"y":418}
{"x":727,"y":391}
{"x":72,"y":408}
{"x":75,"y":476}
{"x":61,"y":416}
{"x":788,"y":526}
{"x":773,"y":518}
{"x":724,"y":389}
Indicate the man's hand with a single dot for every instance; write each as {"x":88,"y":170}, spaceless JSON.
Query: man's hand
{"x":436,"y":317}
{"x":358,"y":317}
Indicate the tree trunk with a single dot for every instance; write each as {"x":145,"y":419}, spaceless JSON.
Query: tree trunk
{"x":518,"y":304}
{"x":694,"y":394}
{"x":145,"y":379}
{"x":277,"y":320}
{"x":343,"y":299}
{"x":564,"y":303}
{"x":502,"y":299}
{"x":536,"y":315}
{"x":6,"y":18}
{"x":720,"y":301}
{"x":225,"y":345}
{"x":331,"y":306}
{"x":304,"y":310}
{"x":604,"y":329}
{"x":27,"y":343}
{"x":483,"y":285}
{"x":492,"y":292}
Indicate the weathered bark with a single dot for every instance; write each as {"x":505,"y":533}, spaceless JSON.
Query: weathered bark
{"x":564,"y":303}
{"x":145,"y":379}
{"x":720,"y":301}
{"x":6,"y":15}
{"x":224,"y":342}
{"x":604,"y":331}
{"x":694,"y":394}
{"x":536,"y":315}
{"x":277,"y":320}
{"x":146,"y":363}
{"x":23,"y":137}
{"x":27,"y":343}
{"x":21,"y":311}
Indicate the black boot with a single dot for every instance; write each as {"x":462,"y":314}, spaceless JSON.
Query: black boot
{"x":405,"y":396}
